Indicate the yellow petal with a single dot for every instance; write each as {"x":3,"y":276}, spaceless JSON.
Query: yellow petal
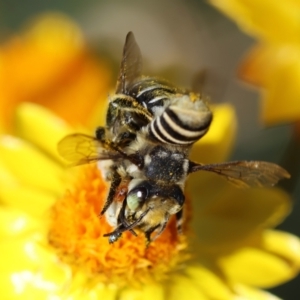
{"x":255,"y":267}
{"x":275,"y":63}
{"x":81,"y":286}
{"x":29,"y":165}
{"x":277,"y":69}
{"x":37,"y":271}
{"x":255,"y":17}
{"x":98,"y":115}
{"x":22,"y":285}
{"x":274,"y":261}
{"x":15,"y":223}
{"x":6,"y":176}
{"x":27,"y":199}
{"x":216,"y":145}
{"x":208,"y":282}
{"x":30,"y":255}
{"x":32,"y":201}
{"x":225,"y":216}
{"x":100,"y":291}
{"x":55,"y":35}
{"x":183,"y":288}
{"x":283,"y":83}
{"x":284,"y":245}
{"x":146,"y":292}
{"x":258,"y":64}
{"x":248,"y":293}
{"x":41,"y":127}
{"x":37,"y":64}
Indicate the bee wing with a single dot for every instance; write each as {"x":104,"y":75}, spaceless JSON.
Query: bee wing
{"x":210,"y":83}
{"x":131,"y":65}
{"x":245,"y":173}
{"x":81,"y":149}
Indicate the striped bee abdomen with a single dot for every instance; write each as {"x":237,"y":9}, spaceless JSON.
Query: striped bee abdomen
{"x":182,"y":123}
{"x":152,"y":92}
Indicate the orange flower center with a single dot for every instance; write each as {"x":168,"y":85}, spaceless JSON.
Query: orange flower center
{"x":76,"y":231}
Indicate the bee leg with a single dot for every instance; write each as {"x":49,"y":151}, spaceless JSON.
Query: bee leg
{"x":106,"y":143}
{"x":121,"y":104}
{"x":161,"y":228}
{"x":115,"y":182}
{"x":149,"y":232}
{"x":114,"y":237}
{"x":126,"y":225}
{"x":125,"y":138}
{"x":109,"y":145}
{"x":123,"y":225}
{"x":100,"y":133}
{"x":116,"y":234}
{"x":179,"y":221}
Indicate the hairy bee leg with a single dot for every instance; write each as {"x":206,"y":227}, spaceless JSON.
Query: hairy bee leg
{"x":116,"y":234}
{"x":123,"y":226}
{"x":114,"y":237}
{"x":179,"y":221}
{"x":119,"y":109}
{"x":100,"y":133}
{"x":137,"y":221}
{"x":106,"y":143}
{"x":109,"y":145}
{"x":129,"y":105}
{"x":125,"y":138}
{"x":161,"y":227}
{"x":148,"y":234}
{"x":115,"y":182}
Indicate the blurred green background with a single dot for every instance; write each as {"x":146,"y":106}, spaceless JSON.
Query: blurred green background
{"x":178,"y":39}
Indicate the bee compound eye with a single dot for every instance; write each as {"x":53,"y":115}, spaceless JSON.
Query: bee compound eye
{"x":136,"y":197}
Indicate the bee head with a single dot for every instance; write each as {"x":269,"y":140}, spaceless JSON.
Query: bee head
{"x":150,"y":195}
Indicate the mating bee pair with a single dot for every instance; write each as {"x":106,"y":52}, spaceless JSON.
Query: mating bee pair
{"x":144,"y":147}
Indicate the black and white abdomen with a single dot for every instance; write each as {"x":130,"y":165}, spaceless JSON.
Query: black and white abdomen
{"x":152,"y":92}
{"x":183,"y":122}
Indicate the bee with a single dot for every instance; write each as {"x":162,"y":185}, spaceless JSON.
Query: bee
{"x":143,"y":151}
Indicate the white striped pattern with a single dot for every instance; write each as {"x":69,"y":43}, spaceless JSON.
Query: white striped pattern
{"x":150,"y":88}
{"x":182,"y":131}
{"x":156,"y":99}
{"x":165,"y":134}
{"x":166,"y":129}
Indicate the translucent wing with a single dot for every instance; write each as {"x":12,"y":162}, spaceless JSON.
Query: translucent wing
{"x":131,"y":65}
{"x":80,"y":149}
{"x":245,"y":173}
{"x":210,"y":83}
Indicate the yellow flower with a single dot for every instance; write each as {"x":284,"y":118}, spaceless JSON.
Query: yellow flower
{"x":273,"y":64}
{"x":51,"y":241}
{"x":50,"y":64}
